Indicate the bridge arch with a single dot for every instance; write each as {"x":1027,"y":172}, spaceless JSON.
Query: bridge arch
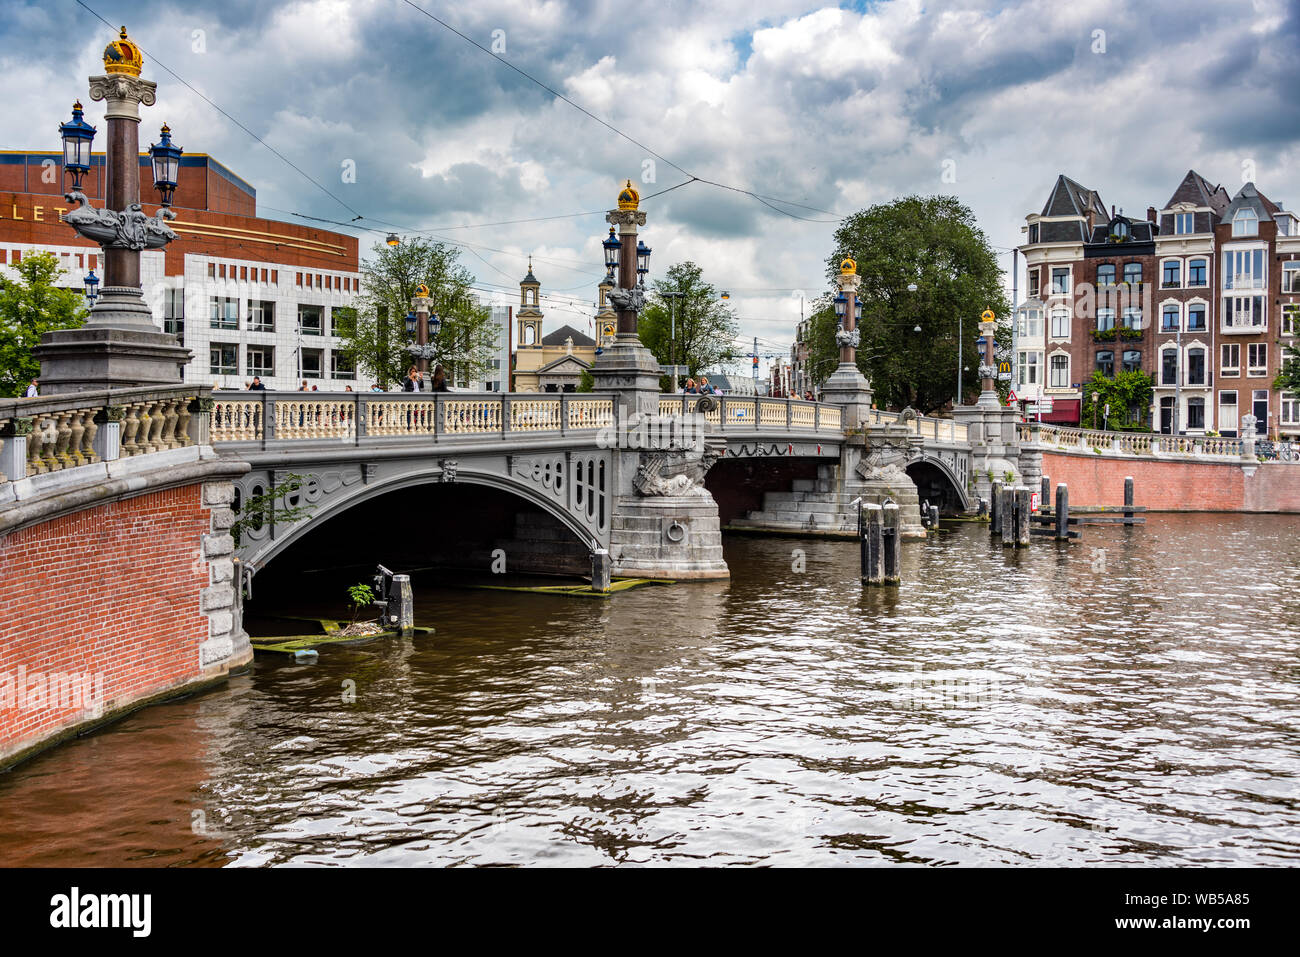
{"x":939,"y":482}
{"x":334,"y":499}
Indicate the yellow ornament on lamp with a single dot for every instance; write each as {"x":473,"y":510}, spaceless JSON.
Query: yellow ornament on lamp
{"x":123,"y":56}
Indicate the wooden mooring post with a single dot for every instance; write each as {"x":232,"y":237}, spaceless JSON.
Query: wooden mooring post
{"x":1045,"y":494}
{"x":1128,"y":499}
{"x":1024,"y":506}
{"x":871,"y":525}
{"x":891,"y":543}
{"x":1007,"y":517}
{"x":995,"y":503}
{"x":1062,"y":512}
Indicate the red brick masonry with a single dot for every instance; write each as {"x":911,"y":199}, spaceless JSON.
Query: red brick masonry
{"x":107,"y":599}
{"x":1175,"y":486}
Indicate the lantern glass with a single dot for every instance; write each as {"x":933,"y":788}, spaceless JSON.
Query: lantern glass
{"x":92,"y":286}
{"x":611,"y":246}
{"x":642,"y":257}
{"x":857,"y":309}
{"x":410,"y":323}
{"x":434,"y":324}
{"x":841,"y":304}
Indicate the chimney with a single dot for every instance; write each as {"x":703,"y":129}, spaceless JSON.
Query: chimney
{"x":1151,"y":215}
{"x":1112,"y":210}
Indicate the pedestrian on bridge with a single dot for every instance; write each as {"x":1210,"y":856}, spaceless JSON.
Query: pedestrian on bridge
{"x":691,"y":388}
{"x":412,"y":381}
{"x":439,"y":383}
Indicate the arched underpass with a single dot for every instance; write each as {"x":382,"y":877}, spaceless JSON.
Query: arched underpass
{"x":934,"y":485}
{"x":738,"y":484}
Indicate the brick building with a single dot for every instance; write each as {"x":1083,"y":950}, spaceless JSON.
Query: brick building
{"x":1202,"y":294}
{"x":248,"y":296}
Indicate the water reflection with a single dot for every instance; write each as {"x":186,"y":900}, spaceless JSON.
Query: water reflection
{"x":1127,"y":699}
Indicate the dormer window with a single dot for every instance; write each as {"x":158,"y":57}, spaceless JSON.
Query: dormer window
{"x":1184,"y":223}
{"x":1245,"y":222}
{"x":1119,"y":232}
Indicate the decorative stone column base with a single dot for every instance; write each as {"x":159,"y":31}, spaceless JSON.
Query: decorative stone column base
{"x":667,"y":536}
{"x":995,"y":447}
{"x":849,"y":389}
{"x":98,"y":357}
{"x":630,"y":371}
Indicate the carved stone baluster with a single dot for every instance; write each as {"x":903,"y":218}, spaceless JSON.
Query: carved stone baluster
{"x":3,"y":423}
{"x":61,"y":455}
{"x":130,"y":429}
{"x":170,"y":417}
{"x":48,"y":427}
{"x":88,"y":438}
{"x":35,"y":441}
{"x":157,"y":419}
{"x":183,"y":422}
{"x":77,"y":430}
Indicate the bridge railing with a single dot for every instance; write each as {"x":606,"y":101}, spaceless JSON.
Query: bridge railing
{"x":1130,"y":443}
{"x":753,"y":413}
{"x":923,"y":425}
{"x":265,"y":416}
{"x":62,"y":432}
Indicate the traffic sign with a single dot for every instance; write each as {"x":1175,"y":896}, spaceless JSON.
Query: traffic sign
{"x":1011,"y":396}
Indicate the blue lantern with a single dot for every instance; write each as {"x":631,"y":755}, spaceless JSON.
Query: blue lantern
{"x":642,"y":258}
{"x":841,"y":305}
{"x":77,"y":135}
{"x":166,"y":165}
{"x":434,"y":325}
{"x":92,"y":288}
{"x":612,"y":246}
{"x":410,"y":323}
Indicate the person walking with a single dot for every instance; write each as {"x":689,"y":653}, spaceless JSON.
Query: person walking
{"x":257,"y":385}
{"x":32,"y":391}
{"x":304,"y":387}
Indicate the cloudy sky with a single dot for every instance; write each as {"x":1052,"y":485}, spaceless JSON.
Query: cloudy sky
{"x":822,"y":110}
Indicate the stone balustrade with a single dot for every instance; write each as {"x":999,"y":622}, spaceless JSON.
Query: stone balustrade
{"x":62,"y":432}
{"x":929,"y":427}
{"x":1136,"y":443}
{"x":260,"y":417}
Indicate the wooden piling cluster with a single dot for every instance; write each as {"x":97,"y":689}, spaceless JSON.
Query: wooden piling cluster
{"x":1050,"y":513}
{"x":1011,"y":509}
{"x":880,"y":544}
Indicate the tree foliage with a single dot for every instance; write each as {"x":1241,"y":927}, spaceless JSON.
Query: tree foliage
{"x":931,"y":241}
{"x":280,"y":504}
{"x":700,"y":324}
{"x":374,"y":333}
{"x":1129,"y":396}
{"x":31,"y":306}
{"x":1288,"y":378}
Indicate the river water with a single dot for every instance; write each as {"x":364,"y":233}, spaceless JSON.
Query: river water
{"x":1130,"y":699}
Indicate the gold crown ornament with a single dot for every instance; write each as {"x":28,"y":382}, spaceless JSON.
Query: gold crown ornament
{"x":123,"y":56}
{"x":629,"y":198}
{"x":848,"y":267}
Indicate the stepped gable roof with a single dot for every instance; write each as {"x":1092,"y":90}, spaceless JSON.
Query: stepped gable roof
{"x":1248,"y":195}
{"x":557,"y":337}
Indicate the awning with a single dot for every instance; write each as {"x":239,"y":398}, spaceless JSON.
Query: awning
{"x":1064,"y":411}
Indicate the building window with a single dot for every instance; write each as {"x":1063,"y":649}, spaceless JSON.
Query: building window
{"x":1060,"y":323}
{"x":1245,"y":222}
{"x":1060,"y":280}
{"x":1032,"y":275}
{"x":1033,"y":232}
{"x":1243,"y":312}
{"x":1171,"y":275}
{"x":1133,"y":317}
{"x":212,"y":270}
{"x":261,"y":315}
{"x":223,"y":312}
{"x":341,"y":366}
{"x":223,"y":358}
{"x":1060,"y":372}
{"x":1243,"y":269}
{"x":1169,"y":318}
{"x":1290,"y":409}
{"x":312,"y":361}
{"x":1196,"y":367}
{"x":311,"y":320}
{"x":1106,"y":363}
{"x":260,"y":361}
{"x":1291,"y":276}
{"x":1106,"y":274}
{"x":1132,"y":360}
{"x":1132,"y":273}
{"x":174,"y":314}
{"x":1196,"y":413}
{"x":1168,"y":367}
{"x":1196,"y":273}
{"x":1031,"y":323}
{"x":1196,"y":317}
{"x":1290,"y":318}
{"x":1105,"y":320}
{"x":1230,"y":359}
{"x":1257,"y":359}
{"x":1029,"y":368}
{"x":1184,"y":223}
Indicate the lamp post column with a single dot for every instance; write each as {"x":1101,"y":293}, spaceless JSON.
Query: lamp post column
{"x":988,"y":390}
{"x":847,"y":387}
{"x":420,"y":305}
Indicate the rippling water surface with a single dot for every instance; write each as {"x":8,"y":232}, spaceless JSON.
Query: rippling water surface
{"x":1131,"y":699}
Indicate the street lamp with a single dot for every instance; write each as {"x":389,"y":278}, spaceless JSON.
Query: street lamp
{"x":435,"y":323}
{"x":92,"y":288}
{"x":392,"y":240}
{"x":841,"y":302}
{"x":611,"y":246}
{"x":77,"y":135}
{"x":410,"y":324}
{"x":672,"y":298}
{"x":166,"y":165}
{"x":642,"y":260}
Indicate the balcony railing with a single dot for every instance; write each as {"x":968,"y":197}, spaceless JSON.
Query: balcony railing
{"x":1132,"y":443}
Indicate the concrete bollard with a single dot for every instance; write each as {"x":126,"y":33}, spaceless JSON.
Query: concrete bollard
{"x":601,"y":568}
{"x":934,"y":517}
{"x":402,"y":604}
{"x":1007,"y":517}
{"x":995,"y":503}
{"x":891,"y":544}
{"x":1023,"y":509}
{"x":873,"y":545}
{"x":1062,"y":512}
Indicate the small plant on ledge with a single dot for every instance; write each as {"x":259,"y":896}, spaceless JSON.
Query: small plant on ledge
{"x":1128,"y":332}
{"x":1103,"y":335}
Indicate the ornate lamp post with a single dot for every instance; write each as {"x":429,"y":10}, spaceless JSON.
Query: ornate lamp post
{"x":847,"y":387}
{"x":92,"y":288}
{"x":423,"y":325}
{"x":988,"y":391}
{"x":626,"y":367}
{"x":119,"y":345}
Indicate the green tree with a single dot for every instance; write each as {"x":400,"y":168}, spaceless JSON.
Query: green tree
{"x":30,"y":306}
{"x":702,"y":325}
{"x":931,"y":241}
{"x":374,"y":333}
{"x":1129,"y":396}
{"x":1288,"y":378}
{"x":586,"y":381}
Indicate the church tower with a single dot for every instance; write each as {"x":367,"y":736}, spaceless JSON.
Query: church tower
{"x":529,"y":312}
